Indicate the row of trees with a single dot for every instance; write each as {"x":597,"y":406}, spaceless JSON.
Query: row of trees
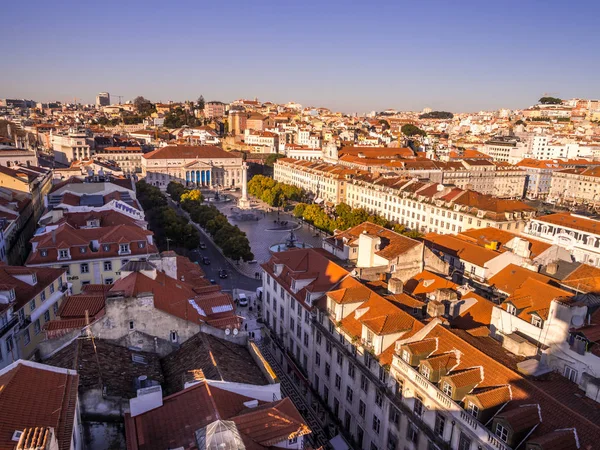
{"x":163,"y":220}
{"x":232,"y":241}
{"x":344,"y":217}
{"x":273,"y":192}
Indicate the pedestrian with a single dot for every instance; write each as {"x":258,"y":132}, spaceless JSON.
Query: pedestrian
{"x":246,"y":326}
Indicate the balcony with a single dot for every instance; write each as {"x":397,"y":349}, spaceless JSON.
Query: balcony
{"x":461,"y":416}
{"x":9,"y":325}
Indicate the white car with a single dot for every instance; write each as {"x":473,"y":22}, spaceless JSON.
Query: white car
{"x":242,"y":300}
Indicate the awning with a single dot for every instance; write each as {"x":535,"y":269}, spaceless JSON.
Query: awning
{"x":318,"y":200}
{"x":338,"y":443}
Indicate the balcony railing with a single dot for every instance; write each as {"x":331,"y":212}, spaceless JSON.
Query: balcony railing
{"x":460,"y":415}
{"x":9,"y":325}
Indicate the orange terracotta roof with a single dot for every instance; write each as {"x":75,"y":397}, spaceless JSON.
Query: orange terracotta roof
{"x":584,"y":278}
{"x":535,"y":297}
{"x":460,"y":248}
{"x":572,"y":221}
{"x":492,"y":397}
{"x":467,"y":377}
{"x":427,"y":282}
{"x":189,"y":152}
{"x":488,"y":235}
{"x":512,"y":277}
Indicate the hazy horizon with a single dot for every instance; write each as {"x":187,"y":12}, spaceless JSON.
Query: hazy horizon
{"x":462,"y":57}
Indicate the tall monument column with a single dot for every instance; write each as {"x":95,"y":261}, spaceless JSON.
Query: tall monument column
{"x":243,"y":202}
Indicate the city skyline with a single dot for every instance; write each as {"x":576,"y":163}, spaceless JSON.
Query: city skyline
{"x":458,"y":58}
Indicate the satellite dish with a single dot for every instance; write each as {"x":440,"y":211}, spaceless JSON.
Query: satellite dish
{"x":227,"y":331}
{"x":235,"y":331}
{"x":577,"y":321}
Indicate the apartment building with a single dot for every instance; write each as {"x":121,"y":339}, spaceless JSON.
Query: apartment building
{"x":538,"y":177}
{"x":13,"y":156}
{"x":393,"y":382}
{"x":338,"y":335}
{"x":576,"y":185}
{"x":129,"y":159}
{"x":433,"y":207}
{"x":29,"y":299}
{"x":214,"y":110}
{"x":91,"y":255}
{"x":579,"y":235}
{"x":263,"y":141}
{"x":325,"y":181}
{"x":506,"y":149}
{"x":201,"y":165}
{"x":70,"y":146}
{"x":301,"y":152}
{"x":32,"y":180}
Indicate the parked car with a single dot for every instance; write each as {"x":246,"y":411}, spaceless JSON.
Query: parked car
{"x":206,"y":261}
{"x":202,"y":246}
{"x":243,"y":300}
{"x":212,"y":281}
{"x":222,"y":273}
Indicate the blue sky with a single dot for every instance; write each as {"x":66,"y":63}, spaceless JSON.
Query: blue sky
{"x":348,"y":56}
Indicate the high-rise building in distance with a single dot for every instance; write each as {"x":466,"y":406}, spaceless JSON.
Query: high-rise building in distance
{"x":103,"y":99}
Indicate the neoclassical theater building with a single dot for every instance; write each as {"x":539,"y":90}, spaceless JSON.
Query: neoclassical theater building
{"x":192,"y":165}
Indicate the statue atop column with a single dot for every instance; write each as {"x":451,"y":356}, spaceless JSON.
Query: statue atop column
{"x":243,"y":202}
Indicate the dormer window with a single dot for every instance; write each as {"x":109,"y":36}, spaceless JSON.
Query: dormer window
{"x":501,"y":432}
{"x":141,"y":244}
{"x":44,"y":253}
{"x":511,"y":309}
{"x":105,"y":247}
{"x":536,"y":321}
{"x":473,"y":409}
{"x":82,"y":249}
{"x":447,"y":389}
{"x":406,"y":356}
{"x":11,"y":294}
{"x":123,"y":248}
{"x":63,"y":254}
{"x":425,"y":371}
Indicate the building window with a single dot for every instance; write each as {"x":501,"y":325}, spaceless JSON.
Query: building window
{"x":440,"y":425}
{"x":376,"y":424}
{"x":106,"y":247}
{"x":107,"y":266}
{"x":406,"y":356}
{"x":394,"y":416}
{"x":293,"y":441}
{"x":339,"y":357}
{"x":510,"y":308}
{"x":359,"y":436}
{"x":501,"y":432}
{"x":63,"y":254}
{"x":82,"y":249}
{"x":338,"y":382}
{"x":36,"y":327}
{"x":447,"y":388}
{"x":26,"y":337}
{"x":327,"y":370}
{"x":351,"y":370}
{"x":364,"y":383}
{"x":32,"y":305}
{"x":473,"y":409}
{"x":318,"y":359}
{"x":571,"y":374}
{"x":418,"y":406}
{"x":44,"y":253}
{"x":131,"y":325}
{"x":84,"y":268}
{"x":349,"y":394}
{"x":108,"y":281}
{"x":425,"y":371}
{"x":464,"y":442}
{"x":123,"y":248}
{"x":536,"y":321}
{"x":412,"y":433}
{"x":379,"y":398}
{"x":362,"y":408}
{"x":43,"y":296}
{"x":52,"y":288}
{"x":55,"y":309}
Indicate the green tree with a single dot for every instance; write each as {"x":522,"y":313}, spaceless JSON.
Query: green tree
{"x":409,"y":129}
{"x":201,"y":103}
{"x":550,"y":101}
{"x":143,"y":106}
{"x":272,"y":158}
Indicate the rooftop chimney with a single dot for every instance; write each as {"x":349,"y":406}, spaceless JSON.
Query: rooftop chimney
{"x":395,"y":286}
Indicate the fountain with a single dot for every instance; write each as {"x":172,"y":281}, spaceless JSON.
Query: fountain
{"x":290,"y":242}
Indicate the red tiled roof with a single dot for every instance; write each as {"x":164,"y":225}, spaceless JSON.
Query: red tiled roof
{"x":189,"y":152}
{"x":36,"y":395}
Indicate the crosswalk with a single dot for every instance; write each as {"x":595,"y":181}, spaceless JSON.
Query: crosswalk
{"x":318,"y":437}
